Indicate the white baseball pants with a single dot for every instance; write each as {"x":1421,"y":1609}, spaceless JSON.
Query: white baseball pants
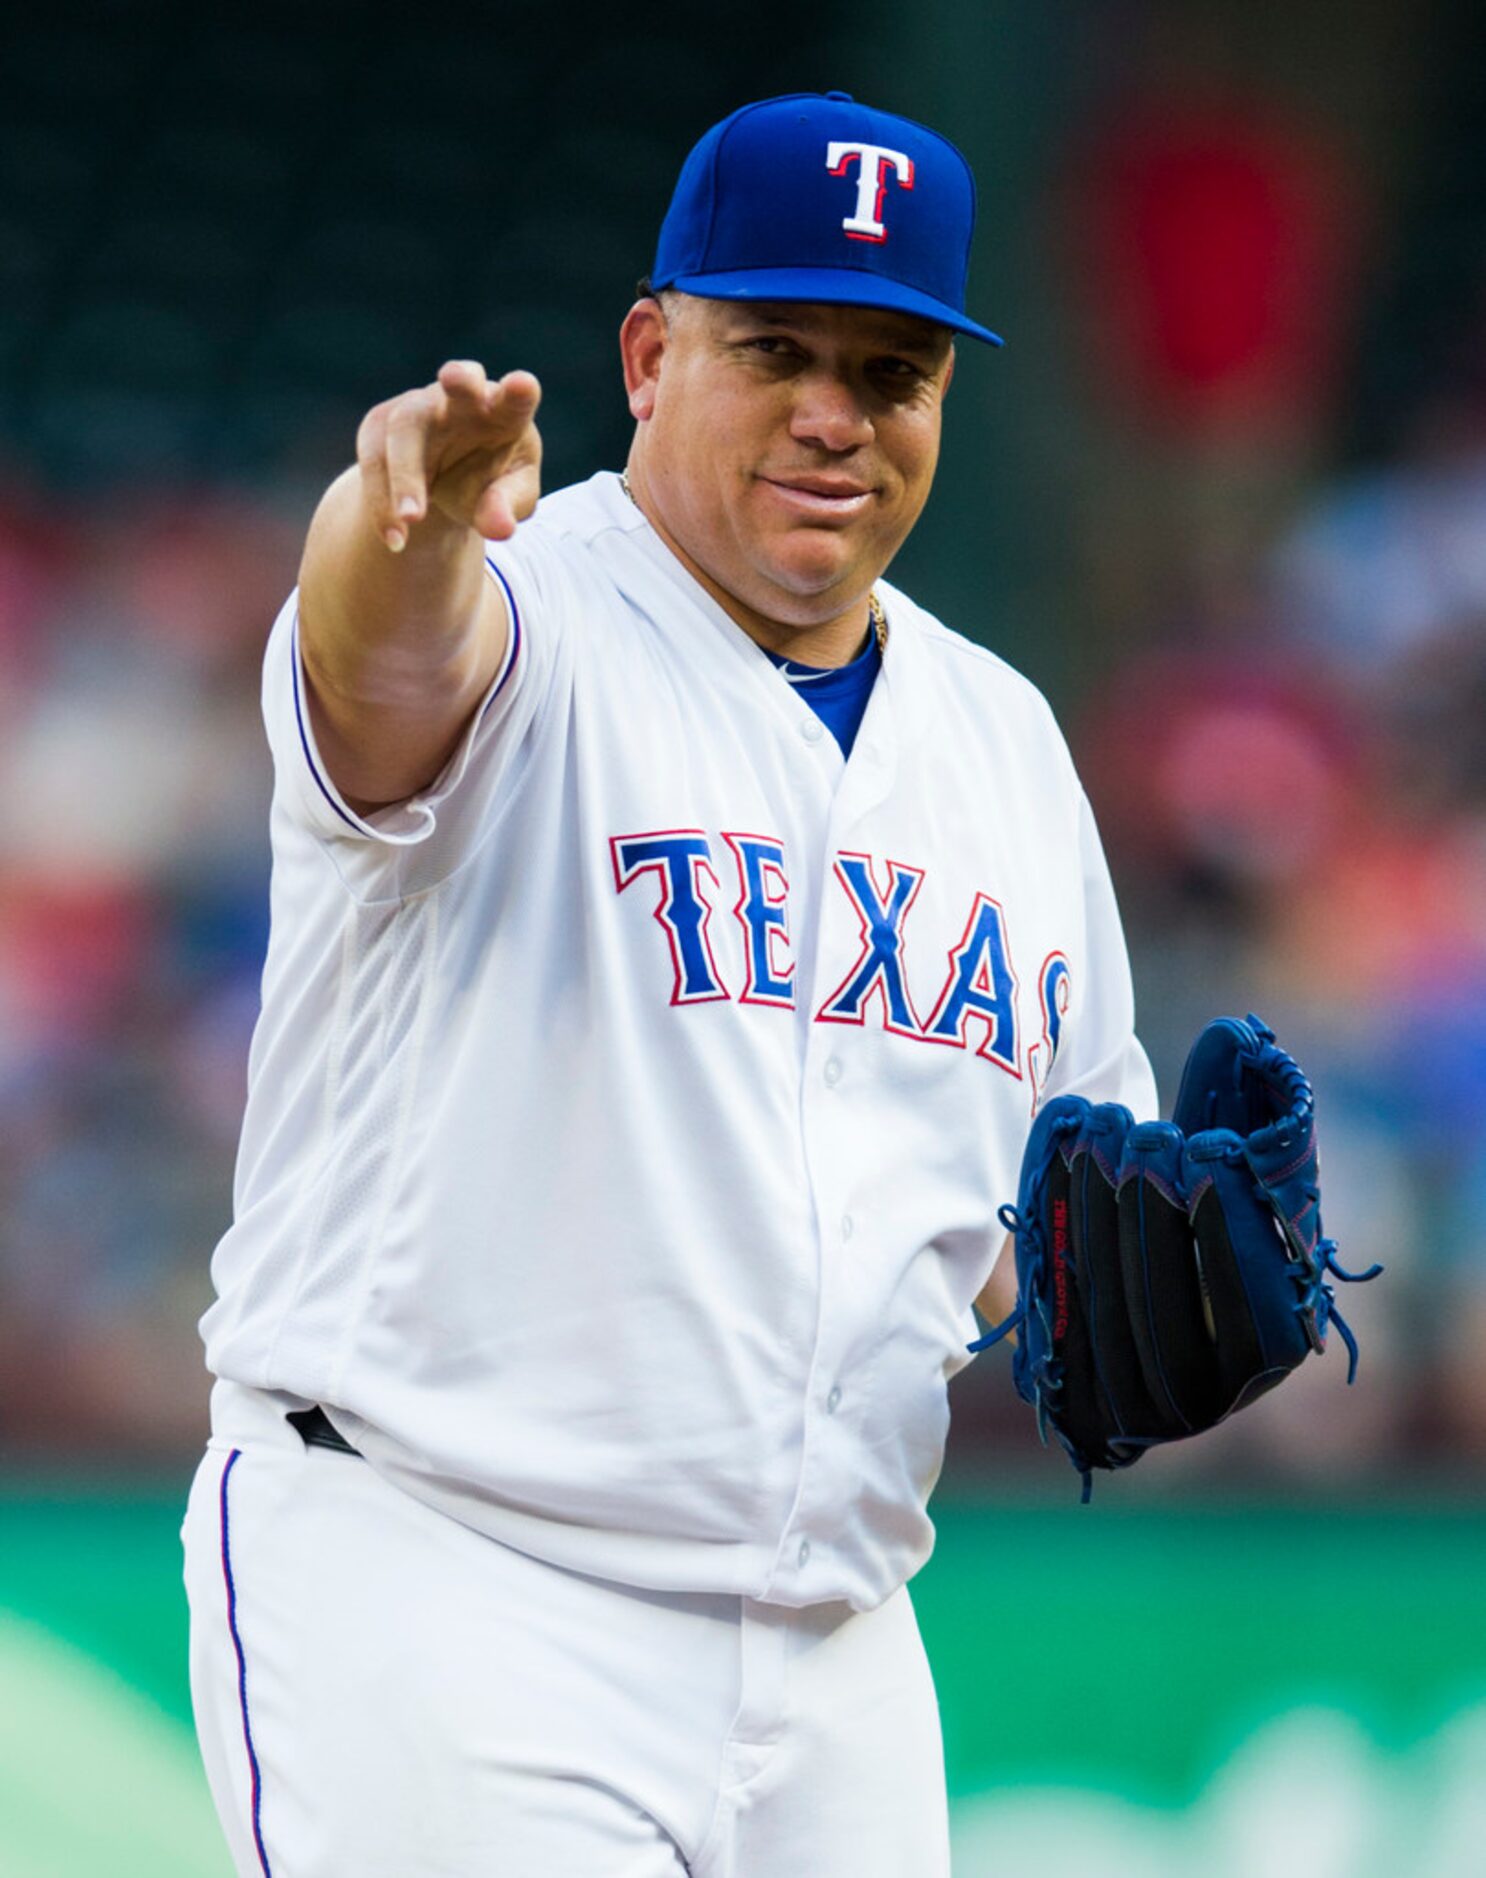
{"x":381,"y":1692}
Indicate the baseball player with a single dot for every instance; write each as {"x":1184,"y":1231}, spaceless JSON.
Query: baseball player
{"x":675,"y":931}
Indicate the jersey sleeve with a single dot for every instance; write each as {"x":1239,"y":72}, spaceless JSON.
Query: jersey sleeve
{"x":1105,"y":1060}
{"x":426,"y":836}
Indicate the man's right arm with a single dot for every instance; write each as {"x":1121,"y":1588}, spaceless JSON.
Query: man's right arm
{"x":401,"y":629}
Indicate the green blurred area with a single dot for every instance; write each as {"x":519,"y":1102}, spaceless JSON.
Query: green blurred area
{"x":1097,"y":1650}
{"x":104,"y":1574}
{"x":1133,"y":1650}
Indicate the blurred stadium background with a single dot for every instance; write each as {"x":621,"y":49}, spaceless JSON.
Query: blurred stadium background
{"x":1223,"y":496}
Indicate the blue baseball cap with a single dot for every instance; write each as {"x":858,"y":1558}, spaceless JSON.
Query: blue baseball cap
{"x":812,"y":197}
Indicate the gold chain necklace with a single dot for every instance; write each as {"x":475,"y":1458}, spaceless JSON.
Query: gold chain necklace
{"x":879,"y":620}
{"x":875,"y":610}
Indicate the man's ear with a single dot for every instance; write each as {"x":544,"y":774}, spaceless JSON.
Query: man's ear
{"x":642,"y":343}
{"x":949,"y":369}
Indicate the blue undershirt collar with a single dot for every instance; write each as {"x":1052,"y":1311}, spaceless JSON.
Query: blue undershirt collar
{"x":837,"y":694}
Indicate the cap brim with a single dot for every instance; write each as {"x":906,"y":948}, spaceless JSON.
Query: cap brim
{"x":828,"y":286}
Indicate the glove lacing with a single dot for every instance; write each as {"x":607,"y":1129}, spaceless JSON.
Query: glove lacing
{"x":1315,"y":1302}
{"x":1043,"y":1372}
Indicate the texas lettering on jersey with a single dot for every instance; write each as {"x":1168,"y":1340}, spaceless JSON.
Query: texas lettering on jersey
{"x":977,"y":1003}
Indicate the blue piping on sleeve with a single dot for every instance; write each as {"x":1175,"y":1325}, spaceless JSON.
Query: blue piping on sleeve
{"x":512,"y":654}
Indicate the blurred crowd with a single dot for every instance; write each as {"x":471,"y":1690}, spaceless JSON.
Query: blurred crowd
{"x":133,"y":919}
{"x":1284,"y":736}
{"x":1292,"y":786}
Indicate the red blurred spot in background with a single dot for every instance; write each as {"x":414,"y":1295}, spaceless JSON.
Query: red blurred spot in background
{"x":71,"y":951}
{"x":1218,"y":263}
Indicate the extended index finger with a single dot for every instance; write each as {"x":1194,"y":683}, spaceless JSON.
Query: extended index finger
{"x":483,"y":412}
{"x":465,"y":381}
{"x":511,"y":402}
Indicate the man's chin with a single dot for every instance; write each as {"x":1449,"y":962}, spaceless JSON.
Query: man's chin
{"x":819,"y":582}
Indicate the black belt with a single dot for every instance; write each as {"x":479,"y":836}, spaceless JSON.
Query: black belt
{"x":318,"y":1431}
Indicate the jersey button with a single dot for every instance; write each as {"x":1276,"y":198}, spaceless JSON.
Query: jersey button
{"x":833,"y":1400}
{"x":848,"y":1225}
{"x":812,"y":730}
{"x":832,"y":1071}
{"x":804,"y":1553}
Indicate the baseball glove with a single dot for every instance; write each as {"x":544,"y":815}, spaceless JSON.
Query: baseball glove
{"x":1169,"y":1273}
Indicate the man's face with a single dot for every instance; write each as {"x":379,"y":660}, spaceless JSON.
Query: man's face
{"x":787,"y":450}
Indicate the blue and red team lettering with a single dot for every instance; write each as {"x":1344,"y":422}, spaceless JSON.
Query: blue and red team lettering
{"x":763,"y":911}
{"x":680,"y":857}
{"x":1054,"y":989}
{"x":878,"y":971}
{"x":981,"y":989}
{"x":977,"y":1007}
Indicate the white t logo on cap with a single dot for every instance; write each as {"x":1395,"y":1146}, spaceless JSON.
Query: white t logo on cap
{"x":877,"y":162}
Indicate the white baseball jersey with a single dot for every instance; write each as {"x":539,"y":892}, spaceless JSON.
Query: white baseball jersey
{"x":629,"y":1111}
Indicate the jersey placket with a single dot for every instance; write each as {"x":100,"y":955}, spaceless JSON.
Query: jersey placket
{"x":839,"y":1128}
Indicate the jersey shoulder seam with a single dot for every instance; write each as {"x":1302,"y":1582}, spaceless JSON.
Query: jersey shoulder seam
{"x":584,"y":533}
{"x":934,"y":634}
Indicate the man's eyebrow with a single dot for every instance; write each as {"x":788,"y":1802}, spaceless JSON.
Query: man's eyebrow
{"x":766,"y":313}
{"x":923,"y":338}
{"x":931,"y":342}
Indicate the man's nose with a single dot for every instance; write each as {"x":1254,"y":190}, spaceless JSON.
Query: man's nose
{"x":829,"y":413}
